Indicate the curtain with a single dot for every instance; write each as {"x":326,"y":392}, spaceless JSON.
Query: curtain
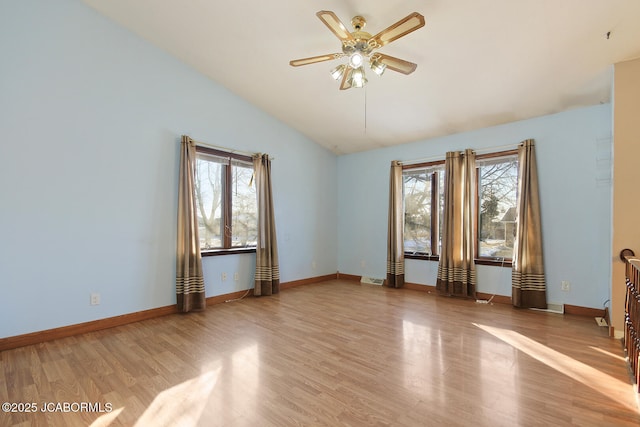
{"x":189,"y":279}
{"x":267,"y":280}
{"x":456,"y":269}
{"x":395,"y":238}
{"x":529,"y":289}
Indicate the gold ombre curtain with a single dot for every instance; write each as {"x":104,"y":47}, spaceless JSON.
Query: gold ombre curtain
{"x":528,"y":283}
{"x":189,"y":279}
{"x":267,"y":280}
{"x":456,"y":269}
{"x":395,"y":238}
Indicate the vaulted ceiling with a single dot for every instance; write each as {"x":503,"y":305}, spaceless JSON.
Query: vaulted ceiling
{"x":480,"y":63}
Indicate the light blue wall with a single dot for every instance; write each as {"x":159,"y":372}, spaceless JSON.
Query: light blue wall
{"x":90,"y":119}
{"x":572,"y":152}
{"x":91,"y":116}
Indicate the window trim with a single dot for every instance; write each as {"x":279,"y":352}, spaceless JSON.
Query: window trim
{"x":227,"y":214}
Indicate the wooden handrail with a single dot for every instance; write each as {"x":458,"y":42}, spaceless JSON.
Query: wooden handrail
{"x":632,"y":312}
{"x":626,"y":254}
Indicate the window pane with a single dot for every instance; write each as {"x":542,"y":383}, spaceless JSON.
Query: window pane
{"x":244,"y":208}
{"x":417,"y":211}
{"x":498,"y":180}
{"x":209,"y":189}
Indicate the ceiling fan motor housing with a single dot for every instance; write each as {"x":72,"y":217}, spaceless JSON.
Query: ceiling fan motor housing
{"x":362,"y":40}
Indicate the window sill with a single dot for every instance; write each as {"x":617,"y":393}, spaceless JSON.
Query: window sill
{"x":423,"y":256}
{"x":232,"y":251}
{"x":496,"y":262}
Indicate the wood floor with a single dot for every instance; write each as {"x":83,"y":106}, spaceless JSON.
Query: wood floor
{"x":335,"y":353}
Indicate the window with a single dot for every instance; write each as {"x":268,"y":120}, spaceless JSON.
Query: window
{"x":497,"y":188}
{"x":226,"y":200}
{"x":497,"y":181}
{"x":423,"y":187}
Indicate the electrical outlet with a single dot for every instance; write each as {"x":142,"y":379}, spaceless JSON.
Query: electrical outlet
{"x":224,"y":276}
{"x":236,"y":276}
{"x":95,"y":299}
{"x":566,"y":286}
{"x":313,"y":265}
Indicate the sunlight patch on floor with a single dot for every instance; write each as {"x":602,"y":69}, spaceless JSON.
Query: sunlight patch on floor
{"x":615,"y":356}
{"x":181,"y":404}
{"x":106,"y":419}
{"x":608,"y":386}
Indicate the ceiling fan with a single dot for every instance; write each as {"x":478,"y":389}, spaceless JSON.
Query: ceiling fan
{"x":359,"y":46}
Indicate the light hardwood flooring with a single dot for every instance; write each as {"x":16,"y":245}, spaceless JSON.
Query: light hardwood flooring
{"x":335,"y":353}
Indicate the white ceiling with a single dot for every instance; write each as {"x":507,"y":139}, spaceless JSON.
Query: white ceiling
{"x":480,"y":63}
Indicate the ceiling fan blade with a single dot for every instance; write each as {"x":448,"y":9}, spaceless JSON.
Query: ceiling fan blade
{"x":396,"y":64}
{"x":344,"y":84}
{"x":399,"y":29}
{"x":314,"y":59}
{"x":335,"y":25}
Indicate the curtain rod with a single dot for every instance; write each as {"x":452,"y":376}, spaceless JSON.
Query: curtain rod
{"x":479,"y":151}
{"x":423,"y":160}
{"x":498,"y":148}
{"x":229,"y":150}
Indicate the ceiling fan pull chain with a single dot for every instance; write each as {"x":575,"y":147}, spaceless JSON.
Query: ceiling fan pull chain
{"x":365,"y":110}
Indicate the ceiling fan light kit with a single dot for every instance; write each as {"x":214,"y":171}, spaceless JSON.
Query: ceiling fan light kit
{"x":356,"y":59}
{"x":377,"y":66}
{"x":357,"y":78}
{"x":338,"y":72}
{"x":358,"y":47}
